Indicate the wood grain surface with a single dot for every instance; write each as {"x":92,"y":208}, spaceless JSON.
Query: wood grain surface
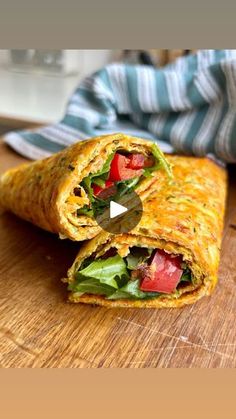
{"x":38,"y":328}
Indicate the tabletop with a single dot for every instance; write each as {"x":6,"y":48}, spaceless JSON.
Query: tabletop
{"x":39,"y":328}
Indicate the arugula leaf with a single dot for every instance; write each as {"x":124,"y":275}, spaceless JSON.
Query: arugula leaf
{"x":124,"y":186}
{"x":92,"y":286}
{"x":131,"y":290}
{"x":99,"y":205}
{"x":105,"y":168}
{"x":119,"y":295}
{"x":86,"y":183}
{"x":157,"y":153}
{"x":99,"y":181}
{"x":86,"y":210}
{"x":186,"y":276}
{"x":137,"y":256}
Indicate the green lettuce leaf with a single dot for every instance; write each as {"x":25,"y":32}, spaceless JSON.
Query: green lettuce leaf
{"x":131,"y":290}
{"x":92,"y":286}
{"x":105,"y":270}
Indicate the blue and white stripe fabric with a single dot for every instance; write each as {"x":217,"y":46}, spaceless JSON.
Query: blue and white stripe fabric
{"x":188,"y":107}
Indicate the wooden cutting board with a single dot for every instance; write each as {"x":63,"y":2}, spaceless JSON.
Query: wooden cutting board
{"x":38,"y":328}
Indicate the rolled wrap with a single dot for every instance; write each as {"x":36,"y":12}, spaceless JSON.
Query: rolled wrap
{"x":184,"y":217}
{"x":42,"y":192}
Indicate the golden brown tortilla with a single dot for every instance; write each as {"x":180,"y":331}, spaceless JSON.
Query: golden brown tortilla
{"x":42,"y":192}
{"x":184,"y":217}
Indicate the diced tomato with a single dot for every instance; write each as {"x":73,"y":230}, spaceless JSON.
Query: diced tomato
{"x":164,"y":273}
{"x":120,"y":170}
{"x":136,"y":161}
{"x":139,"y":161}
{"x":108,"y":190}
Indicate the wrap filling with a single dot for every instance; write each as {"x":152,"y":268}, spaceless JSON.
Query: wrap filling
{"x":121,"y":173}
{"x":144,"y":273}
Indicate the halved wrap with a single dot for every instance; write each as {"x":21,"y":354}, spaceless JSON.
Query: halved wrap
{"x":64,"y":192}
{"x":171,"y":258}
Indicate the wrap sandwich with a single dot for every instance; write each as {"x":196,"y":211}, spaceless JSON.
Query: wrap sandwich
{"x":171,"y":258}
{"x":65,"y":192}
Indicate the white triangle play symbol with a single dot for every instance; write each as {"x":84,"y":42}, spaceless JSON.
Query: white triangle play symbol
{"x":116,"y":209}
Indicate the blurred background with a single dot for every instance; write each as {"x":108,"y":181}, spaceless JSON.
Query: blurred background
{"x":35,"y":85}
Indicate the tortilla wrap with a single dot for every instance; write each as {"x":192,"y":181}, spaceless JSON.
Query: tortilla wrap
{"x":42,"y":192}
{"x":184,"y":217}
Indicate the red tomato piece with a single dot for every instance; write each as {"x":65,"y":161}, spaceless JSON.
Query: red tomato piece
{"x":139,"y":161}
{"x":120,"y":170}
{"x":136,"y":161}
{"x":108,"y":190}
{"x":164,"y":273}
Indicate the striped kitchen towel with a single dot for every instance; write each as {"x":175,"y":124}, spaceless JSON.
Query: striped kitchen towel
{"x":188,"y":106}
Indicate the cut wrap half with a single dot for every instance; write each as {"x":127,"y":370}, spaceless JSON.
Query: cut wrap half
{"x":171,"y":258}
{"x":64,"y":192}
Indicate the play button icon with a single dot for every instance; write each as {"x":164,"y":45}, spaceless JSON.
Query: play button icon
{"x":121,"y":214}
{"x":116,"y":209}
